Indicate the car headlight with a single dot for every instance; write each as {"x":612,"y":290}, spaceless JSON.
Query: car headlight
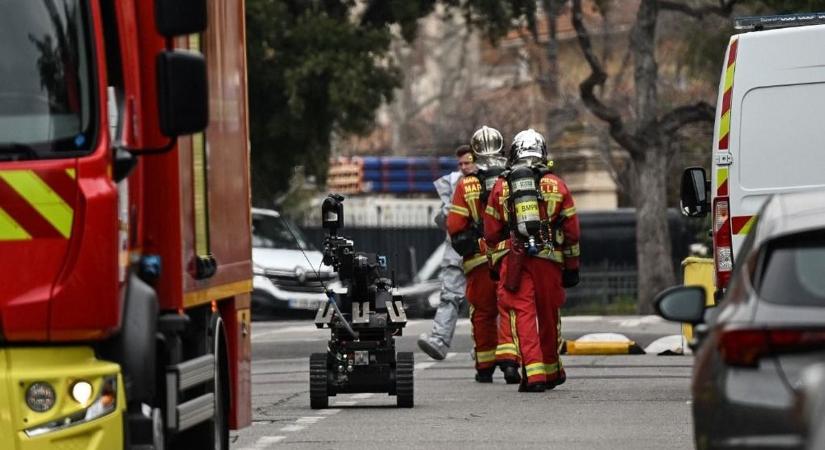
{"x":104,"y":403}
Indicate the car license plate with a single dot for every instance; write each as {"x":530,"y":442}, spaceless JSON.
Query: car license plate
{"x":304,"y":304}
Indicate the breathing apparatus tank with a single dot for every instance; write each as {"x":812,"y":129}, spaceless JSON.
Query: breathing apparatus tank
{"x":524,"y":195}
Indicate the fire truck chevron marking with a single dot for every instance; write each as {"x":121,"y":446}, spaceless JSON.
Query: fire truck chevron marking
{"x":38,"y":195}
{"x":11,"y":230}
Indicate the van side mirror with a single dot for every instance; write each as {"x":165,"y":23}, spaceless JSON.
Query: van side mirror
{"x":681,"y":304}
{"x":694,"y":195}
{"x":183,"y":97}
{"x":180,"y":17}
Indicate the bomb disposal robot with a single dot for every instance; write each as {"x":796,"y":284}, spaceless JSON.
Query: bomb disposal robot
{"x":363,"y":322}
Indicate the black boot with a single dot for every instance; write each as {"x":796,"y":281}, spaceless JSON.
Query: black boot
{"x":558,"y":381}
{"x":485,"y":375}
{"x":532,"y":387}
{"x":511,"y":374}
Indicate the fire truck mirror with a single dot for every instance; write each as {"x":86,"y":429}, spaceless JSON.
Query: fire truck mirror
{"x":694,"y":199}
{"x":180,"y":17}
{"x":183,"y":98}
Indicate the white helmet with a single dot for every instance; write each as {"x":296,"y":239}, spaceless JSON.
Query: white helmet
{"x":528,"y":145}
{"x":486,"y":142}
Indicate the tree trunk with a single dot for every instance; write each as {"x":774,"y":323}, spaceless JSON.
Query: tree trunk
{"x":653,"y":248}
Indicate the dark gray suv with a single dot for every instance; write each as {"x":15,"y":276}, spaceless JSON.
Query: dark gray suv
{"x":770,"y":325}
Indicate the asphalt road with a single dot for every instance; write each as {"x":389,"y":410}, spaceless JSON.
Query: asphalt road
{"x":608,"y":402}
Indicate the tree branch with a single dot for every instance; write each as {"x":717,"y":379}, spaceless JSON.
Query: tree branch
{"x":723,"y":9}
{"x":684,"y":115}
{"x":597,"y":78}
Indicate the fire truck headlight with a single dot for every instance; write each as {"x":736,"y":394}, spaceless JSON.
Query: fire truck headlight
{"x":82,"y":391}
{"x":40,"y":396}
{"x":104,"y":403}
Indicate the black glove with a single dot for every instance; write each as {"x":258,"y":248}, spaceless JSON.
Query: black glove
{"x":569,"y":278}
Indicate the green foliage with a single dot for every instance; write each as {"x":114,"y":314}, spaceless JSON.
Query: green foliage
{"x":315,"y":70}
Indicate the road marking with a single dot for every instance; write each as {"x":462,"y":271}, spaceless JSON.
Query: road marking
{"x":450,"y":355}
{"x":310,"y":419}
{"x":362,"y":396}
{"x":423,"y":365}
{"x":265,"y":442}
{"x":345,"y":403}
{"x":291,"y":428}
{"x":329,"y":412}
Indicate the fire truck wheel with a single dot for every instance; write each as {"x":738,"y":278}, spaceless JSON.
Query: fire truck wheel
{"x":404,"y":367}
{"x":318,"y":394}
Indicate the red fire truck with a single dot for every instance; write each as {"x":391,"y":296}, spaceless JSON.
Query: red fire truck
{"x":125,"y":265}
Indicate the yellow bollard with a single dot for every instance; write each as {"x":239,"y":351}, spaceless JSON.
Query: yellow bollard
{"x":698,"y":272}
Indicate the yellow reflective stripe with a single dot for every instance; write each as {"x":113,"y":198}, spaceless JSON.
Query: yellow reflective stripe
{"x":200,"y":198}
{"x":748,"y":225}
{"x":729,"y":76}
{"x":550,"y":369}
{"x":506,"y":349}
{"x":216,"y":293}
{"x":554,"y":196}
{"x":552,"y":255}
{"x":534,"y":369}
{"x":11,"y":230}
{"x":473,"y":210}
{"x":572,"y":251}
{"x":492,"y":212}
{"x":459,"y":210}
{"x":42,"y":198}
{"x":721,"y":177}
{"x":569,"y":212}
{"x":488,"y":356}
{"x":551,"y":207}
{"x":724,"y":125}
{"x":496,"y":256}
{"x":474,"y":262}
{"x":514,"y":332}
{"x":70,"y":173}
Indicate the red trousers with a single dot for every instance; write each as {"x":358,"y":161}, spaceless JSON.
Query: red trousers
{"x":492,"y":337}
{"x":533,"y":311}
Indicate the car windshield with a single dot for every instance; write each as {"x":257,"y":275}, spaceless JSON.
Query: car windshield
{"x":45,"y":87}
{"x":794,"y":272}
{"x":277,"y":232}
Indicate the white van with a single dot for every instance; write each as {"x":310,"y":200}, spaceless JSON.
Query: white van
{"x":769,"y":134}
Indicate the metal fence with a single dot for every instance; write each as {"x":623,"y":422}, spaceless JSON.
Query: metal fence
{"x":608,"y":245}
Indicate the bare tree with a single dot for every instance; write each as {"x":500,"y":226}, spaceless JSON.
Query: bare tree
{"x":646,"y":133}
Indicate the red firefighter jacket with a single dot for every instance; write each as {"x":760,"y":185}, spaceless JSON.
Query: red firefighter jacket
{"x":466,"y":212}
{"x":556,"y":202}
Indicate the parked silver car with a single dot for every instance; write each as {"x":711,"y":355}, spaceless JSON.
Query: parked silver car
{"x":288,"y":273}
{"x":770,"y":325}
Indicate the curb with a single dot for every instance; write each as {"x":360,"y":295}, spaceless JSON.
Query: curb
{"x":600,"y":348}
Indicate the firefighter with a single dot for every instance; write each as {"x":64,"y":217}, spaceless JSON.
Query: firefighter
{"x":464,"y":224}
{"x":533,"y":209}
{"x":453,"y":281}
